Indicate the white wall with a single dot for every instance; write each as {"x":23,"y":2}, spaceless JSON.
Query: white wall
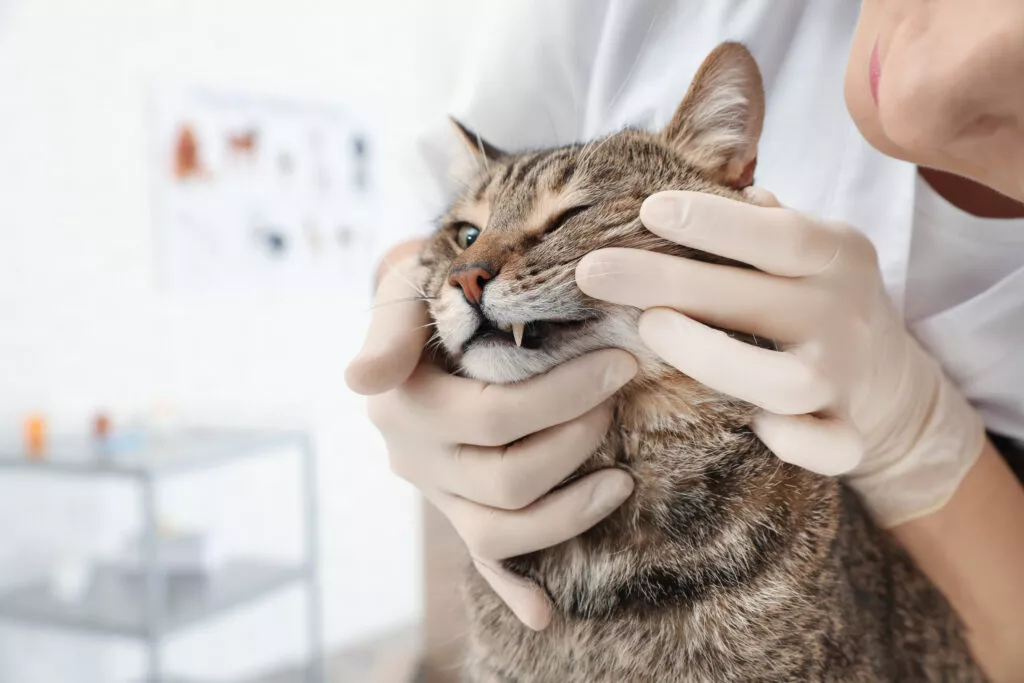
{"x":82,"y":322}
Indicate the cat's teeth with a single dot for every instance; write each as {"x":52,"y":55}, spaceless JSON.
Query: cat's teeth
{"x":505,"y":327}
{"x":517,"y":332}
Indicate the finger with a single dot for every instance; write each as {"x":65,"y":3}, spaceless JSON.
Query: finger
{"x":776,"y":381}
{"x":775,"y":240}
{"x":760,"y":196}
{"x":783,"y":309}
{"x":828,"y":446}
{"x":398,"y":330}
{"x":460,"y":410}
{"x":513,"y":477}
{"x":526,"y":599}
{"x":492,"y":534}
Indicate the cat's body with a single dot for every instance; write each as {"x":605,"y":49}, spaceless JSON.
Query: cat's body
{"x":725,"y":564}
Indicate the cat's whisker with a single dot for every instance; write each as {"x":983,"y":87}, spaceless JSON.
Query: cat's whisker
{"x":381,"y":304}
{"x":418,"y":288}
{"x":434,"y":344}
{"x":460,"y":180}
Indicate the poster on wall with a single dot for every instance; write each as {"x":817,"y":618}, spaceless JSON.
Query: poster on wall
{"x":254,"y":194}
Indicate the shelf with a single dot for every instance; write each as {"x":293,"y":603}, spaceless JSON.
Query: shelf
{"x":149,"y":456}
{"x":115,"y":603}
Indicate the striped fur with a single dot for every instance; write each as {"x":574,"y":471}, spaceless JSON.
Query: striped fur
{"x":725,"y":564}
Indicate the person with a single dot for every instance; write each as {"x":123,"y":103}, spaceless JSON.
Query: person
{"x":902,"y":336}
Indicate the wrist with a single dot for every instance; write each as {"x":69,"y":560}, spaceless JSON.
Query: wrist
{"x":914,"y":468}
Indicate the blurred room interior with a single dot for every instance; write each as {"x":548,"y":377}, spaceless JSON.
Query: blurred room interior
{"x":192,"y":193}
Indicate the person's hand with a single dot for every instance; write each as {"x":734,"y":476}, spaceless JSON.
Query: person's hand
{"x":848,"y":391}
{"x":487,"y":455}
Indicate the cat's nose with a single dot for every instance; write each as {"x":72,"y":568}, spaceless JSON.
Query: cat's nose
{"x":472,"y":280}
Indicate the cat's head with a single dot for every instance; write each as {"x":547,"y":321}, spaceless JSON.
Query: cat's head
{"x":500,"y":270}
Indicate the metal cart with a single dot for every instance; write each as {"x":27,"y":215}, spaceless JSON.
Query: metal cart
{"x":152,"y":609}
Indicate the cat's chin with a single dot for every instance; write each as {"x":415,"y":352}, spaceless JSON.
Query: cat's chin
{"x":501,"y":364}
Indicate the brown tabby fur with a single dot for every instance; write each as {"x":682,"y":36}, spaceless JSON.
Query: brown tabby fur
{"x":726,"y":564}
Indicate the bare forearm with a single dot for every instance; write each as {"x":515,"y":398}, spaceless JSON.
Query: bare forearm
{"x":973,"y":550}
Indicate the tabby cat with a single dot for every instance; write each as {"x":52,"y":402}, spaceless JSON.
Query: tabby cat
{"x":725,"y":564}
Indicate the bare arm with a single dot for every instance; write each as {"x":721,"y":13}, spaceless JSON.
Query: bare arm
{"x":973,"y":550}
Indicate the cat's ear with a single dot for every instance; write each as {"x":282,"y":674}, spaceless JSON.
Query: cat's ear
{"x":477,"y":144}
{"x":718,"y":124}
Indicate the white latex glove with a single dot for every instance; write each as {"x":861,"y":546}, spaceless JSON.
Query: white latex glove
{"x":849,"y":392}
{"x":487,"y":455}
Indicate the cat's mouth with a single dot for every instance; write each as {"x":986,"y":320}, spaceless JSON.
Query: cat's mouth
{"x":531,"y":335}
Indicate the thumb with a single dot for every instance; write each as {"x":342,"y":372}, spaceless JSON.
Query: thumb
{"x":825,"y":445}
{"x":527,"y":601}
{"x":399,"y":328}
{"x":761,"y":197}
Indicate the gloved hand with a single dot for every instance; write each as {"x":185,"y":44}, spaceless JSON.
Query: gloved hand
{"x":487,"y":455}
{"x":848,"y":392}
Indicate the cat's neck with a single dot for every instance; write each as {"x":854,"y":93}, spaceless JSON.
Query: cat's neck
{"x":668,"y":401}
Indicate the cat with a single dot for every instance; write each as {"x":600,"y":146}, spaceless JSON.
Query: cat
{"x":725,"y":564}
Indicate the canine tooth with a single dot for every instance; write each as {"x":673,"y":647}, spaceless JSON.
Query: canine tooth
{"x":517,"y":332}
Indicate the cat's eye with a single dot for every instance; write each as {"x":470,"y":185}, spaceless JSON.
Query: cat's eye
{"x":466,"y":235}
{"x":564,"y":217}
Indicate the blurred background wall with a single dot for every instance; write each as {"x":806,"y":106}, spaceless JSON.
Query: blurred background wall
{"x":84,"y":324}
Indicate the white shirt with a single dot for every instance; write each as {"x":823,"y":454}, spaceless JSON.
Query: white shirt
{"x":543,"y":73}
{"x":956,"y":257}
{"x":965,"y":302}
